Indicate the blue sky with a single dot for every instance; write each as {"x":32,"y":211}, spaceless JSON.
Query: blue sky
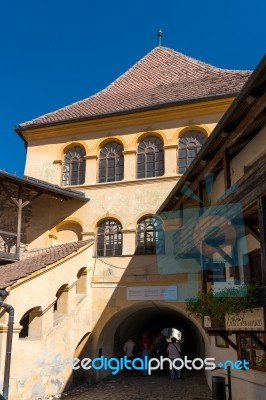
{"x":56,"y":52}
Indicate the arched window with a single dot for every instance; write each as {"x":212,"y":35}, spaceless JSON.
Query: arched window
{"x":109,"y":239}
{"x":31,"y":324}
{"x":150,"y":159}
{"x":150,"y":236}
{"x":188,"y":147}
{"x":24,"y":322}
{"x":111,"y":163}
{"x":74,"y":167}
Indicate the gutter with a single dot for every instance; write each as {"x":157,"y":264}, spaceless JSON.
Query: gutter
{"x":10,"y":310}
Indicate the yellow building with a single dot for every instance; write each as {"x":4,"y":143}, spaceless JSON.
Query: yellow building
{"x":89,"y":266}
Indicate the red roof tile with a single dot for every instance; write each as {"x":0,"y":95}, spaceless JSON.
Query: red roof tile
{"x":162,"y":76}
{"x":35,"y":260}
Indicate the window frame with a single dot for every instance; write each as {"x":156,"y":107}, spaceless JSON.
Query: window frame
{"x":114,"y":239}
{"x":111,"y":153}
{"x":186,"y":144}
{"x":250,"y":347}
{"x":72,"y":161}
{"x":142,"y":236}
{"x":150,"y":157}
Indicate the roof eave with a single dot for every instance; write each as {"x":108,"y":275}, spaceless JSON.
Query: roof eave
{"x":20,"y":129}
{"x":47,"y":188}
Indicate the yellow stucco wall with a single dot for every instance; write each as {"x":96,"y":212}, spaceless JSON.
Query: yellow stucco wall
{"x":108,"y":277}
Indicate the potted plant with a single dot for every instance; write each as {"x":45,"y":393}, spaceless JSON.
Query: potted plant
{"x":231,"y":300}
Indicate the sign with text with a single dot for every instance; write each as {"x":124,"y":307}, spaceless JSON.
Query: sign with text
{"x":152,"y":293}
{"x":207,"y":322}
{"x":249,"y":320}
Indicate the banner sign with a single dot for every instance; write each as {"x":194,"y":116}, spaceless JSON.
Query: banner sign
{"x":249,"y":320}
{"x":152,"y":293}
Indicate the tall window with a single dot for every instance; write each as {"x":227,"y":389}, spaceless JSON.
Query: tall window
{"x":109,"y":239}
{"x":188,"y":147}
{"x":111,"y":165}
{"x":150,"y":236}
{"x":150,"y":159}
{"x":252,"y":350}
{"x":74,"y":167}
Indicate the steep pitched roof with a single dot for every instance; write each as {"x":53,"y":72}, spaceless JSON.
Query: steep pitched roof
{"x":162,"y":76}
{"x":35,"y":260}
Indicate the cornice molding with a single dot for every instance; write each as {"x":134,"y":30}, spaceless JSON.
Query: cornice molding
{"x":177,"y":112}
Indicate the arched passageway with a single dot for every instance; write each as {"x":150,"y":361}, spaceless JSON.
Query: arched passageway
{"x":111,"y":332}
{"x":154,"y":320}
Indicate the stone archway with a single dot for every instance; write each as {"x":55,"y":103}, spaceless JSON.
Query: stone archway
{"x":108,"y":337}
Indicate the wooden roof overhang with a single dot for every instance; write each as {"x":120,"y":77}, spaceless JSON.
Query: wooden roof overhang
{"x":242,"y":121}
{"x":42,"y":187}
{"x":239,"y":125}
{"x":28,"y":189}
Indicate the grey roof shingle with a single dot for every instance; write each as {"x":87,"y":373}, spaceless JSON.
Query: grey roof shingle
{"x":162,"y":76}
{"x":35,"y":260}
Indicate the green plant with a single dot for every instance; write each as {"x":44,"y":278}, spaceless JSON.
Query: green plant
{"x":228,"y":300}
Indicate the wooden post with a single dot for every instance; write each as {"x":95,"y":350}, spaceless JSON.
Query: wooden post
{"x":227,"y":169}
{"x":19,"y":225}
{"x":262,"y":227}
{"x":204,"y":272}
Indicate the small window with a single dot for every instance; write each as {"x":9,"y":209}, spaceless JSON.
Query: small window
{"x":150,"y":158}
{"x":250,"y":350}
{"x":189,"y":145}
{"x":111,"y":163}
{"x":74,"y":167}
{"x":150,"y":236}
{"x":24,"y":322}
{"x":31,"y":324}
{"x":109,"y":239}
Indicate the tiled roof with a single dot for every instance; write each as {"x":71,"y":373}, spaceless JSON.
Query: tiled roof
{"x":162,"y":76}
{"x":35,"y":260}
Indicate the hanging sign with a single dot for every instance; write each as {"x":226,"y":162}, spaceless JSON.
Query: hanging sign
{"x":248,"y":320}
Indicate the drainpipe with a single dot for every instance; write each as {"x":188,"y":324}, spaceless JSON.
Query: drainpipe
{"x":10,"y":310}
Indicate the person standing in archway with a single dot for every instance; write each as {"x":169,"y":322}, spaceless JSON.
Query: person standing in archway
{"x":174,"y":351}
{"x":145,"y":346}
{"x":129,"y":349}
{"x":160,"y":350}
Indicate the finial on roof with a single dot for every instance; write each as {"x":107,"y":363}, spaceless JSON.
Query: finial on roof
{"x":160,"y":34}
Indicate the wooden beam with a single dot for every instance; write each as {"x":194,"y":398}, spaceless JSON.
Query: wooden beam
{"x":236,"y":263}
{"x":203,"y":162}
{"x":6,"y":190}
{"x":245,"y":123}
{"x":19,"y":205}
{"x":257,"y":340}
{"x":262,"y":226}
{"x":249,"y":99}
{"x":204,"y":272}
{"x":253,"y":231}
{"x":229,"y":341}
{"x":227,"y":169}
{"x":200,"y":195}
{"x":8,"y":233}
